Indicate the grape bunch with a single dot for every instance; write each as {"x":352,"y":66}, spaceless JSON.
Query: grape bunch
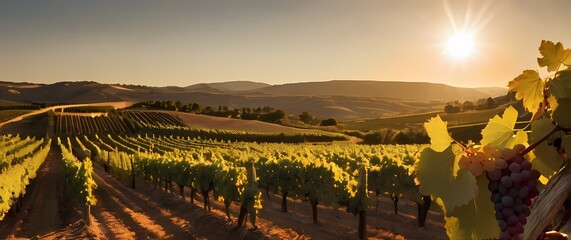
{"x":513,"y":184}
{"x":477,"y":163}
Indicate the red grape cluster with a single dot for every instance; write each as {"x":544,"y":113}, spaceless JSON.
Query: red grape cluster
{"x":513,"y":184}
{"x":477,"y":163}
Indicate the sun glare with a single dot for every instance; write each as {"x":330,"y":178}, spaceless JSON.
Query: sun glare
{"x":460,"y":45}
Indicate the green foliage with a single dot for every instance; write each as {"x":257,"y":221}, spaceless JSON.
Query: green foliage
{"x":228,"y":180}
{"x":251,"y":195}
{"x":453,"y":188}
{"x":547,"y":160}
{"x":272,"y":117}
{"x":449,"y":108}
{"x":15,"y":176}
{"x":306,"y":117}
{"x":476,"y":219}
{"x":393,"y":179}
{"x":330,"y":174}
{"x":78,"y":176}
{"x":328,"y":122}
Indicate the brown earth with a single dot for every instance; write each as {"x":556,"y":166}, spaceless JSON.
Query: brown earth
{"x":46,"y":208}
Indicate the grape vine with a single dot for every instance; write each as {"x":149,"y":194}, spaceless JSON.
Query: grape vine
{"x":498,"y":179}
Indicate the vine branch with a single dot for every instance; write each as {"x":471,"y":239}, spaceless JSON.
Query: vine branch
{"x":542,"y":139}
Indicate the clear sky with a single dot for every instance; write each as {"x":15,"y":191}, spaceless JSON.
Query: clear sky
{"x":161,"y":43}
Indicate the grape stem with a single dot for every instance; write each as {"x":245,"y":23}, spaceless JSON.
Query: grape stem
{"x":541,"y":140}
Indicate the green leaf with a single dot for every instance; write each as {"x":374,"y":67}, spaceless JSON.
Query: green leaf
{"x":475,"y":219}
{"x":560,"y":86}
{"x":436,"y":176}
{"x":438,"y":132}
{"x":547,"y":161}
{"x":529,"y":88}
{"x":553,"y":55}
{"x":562,"y":114}
{"x":500,"y":131}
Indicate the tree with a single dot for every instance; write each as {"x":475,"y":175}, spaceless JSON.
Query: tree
{"x":373,"y":138}
{"x":467,"y":106}
{"x":449,"y":108}
{"x":169,"y":105}
{"x":402,"y":138}
{"x":273,"y":117}
{"x":491,"y":103}
{"x":328,"y":122}
{"x":178,"y":105}
{"x":306,"y":117}
{"x":184,"y":108}
{"x":195,"y":107}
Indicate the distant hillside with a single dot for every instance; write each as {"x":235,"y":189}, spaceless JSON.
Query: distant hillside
{"x":339,"y":99}
{"x":234,"y":86}
{"x":398,"y":90}
{"x":202,"y":87}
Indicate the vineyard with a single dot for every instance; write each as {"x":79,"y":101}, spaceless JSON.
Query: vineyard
{"x":225,"y":172}
{"x":234,"y":175}
{"x":19,"y":161}
{"x":160,"y":123}
{"x":130,"y":173}
{"x":333,"y":175}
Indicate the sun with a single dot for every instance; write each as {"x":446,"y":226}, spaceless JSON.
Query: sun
{"x":460,"y":45}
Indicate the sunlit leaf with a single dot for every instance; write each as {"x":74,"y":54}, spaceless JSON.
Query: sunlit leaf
{"x":552,"y":102}
{"x":500,"y":131}
{"x":454,"y":230}
{"x":553,"y":55}
{"x":435,"y":173}
{"x":438,"y":132}
{"x":529,"y":88}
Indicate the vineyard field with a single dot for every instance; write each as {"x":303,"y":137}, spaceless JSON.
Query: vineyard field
{"x":121,"y":162}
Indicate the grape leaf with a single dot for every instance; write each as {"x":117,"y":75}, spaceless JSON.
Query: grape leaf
{"x":529,"y":87}
{"x":560,"y":86}
{"x":552,"y":102}
{"x":562,"y":115}
{"x":438,"y":132}
{"x":474,"y":218}
{"x":436,"y":176}
{"x":547,"y":161}
{"x":553,"y":55}
{"x":499,"y":131}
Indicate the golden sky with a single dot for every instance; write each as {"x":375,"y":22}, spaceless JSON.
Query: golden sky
{"x":161,"y":43}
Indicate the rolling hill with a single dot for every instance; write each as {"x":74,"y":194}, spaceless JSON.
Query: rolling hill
{"x":339,"y":99}
{"x":385,"y":89}
{"x":234,"y":86}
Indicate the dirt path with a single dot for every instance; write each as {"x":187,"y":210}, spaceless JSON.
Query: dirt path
{"x":45,"y":208}
{"x":338,"y":224}
{"x":173,"y":213}
{"x":122,"y":213}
